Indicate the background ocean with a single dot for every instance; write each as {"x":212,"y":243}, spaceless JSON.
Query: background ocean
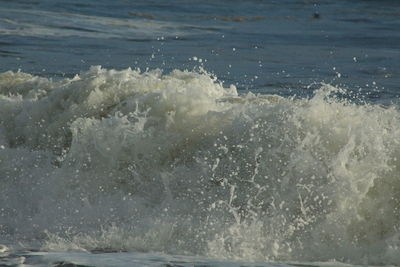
{"x":199,"y":133}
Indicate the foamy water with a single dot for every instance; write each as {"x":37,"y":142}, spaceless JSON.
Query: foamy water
{"x":130,"y":160}
{"x":255,"y":133}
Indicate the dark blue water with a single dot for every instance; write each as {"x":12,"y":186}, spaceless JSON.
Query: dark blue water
{"x":264,"y":46}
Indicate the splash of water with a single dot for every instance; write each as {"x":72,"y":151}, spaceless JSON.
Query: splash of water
{"x":131,"y":160}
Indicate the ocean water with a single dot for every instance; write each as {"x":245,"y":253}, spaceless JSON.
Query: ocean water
{"x":199,"y":133}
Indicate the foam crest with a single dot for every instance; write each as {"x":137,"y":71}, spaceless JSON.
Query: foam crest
{"x":129,"y":160}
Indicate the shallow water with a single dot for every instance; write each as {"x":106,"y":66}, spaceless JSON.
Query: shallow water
{"x":256,"y":133}
{"x":83,"y":259}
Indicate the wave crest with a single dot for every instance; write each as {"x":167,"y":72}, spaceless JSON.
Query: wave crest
{"x":131,"y":160}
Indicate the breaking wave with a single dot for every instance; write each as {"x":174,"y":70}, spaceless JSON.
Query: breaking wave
{"x":129,"y":160}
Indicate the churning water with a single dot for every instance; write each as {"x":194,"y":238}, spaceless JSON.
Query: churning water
{"x":211,"y":146}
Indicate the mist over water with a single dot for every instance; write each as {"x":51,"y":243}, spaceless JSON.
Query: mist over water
{"x":130,"y":160}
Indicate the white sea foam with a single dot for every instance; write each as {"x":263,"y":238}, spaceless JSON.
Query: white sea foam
{"x":3,"y":249}
{"x":146,"y":161}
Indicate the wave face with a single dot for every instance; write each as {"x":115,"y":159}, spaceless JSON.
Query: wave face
{"x":146,"y":161}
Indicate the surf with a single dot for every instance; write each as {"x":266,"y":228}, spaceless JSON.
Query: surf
{"x":131,"y":160}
